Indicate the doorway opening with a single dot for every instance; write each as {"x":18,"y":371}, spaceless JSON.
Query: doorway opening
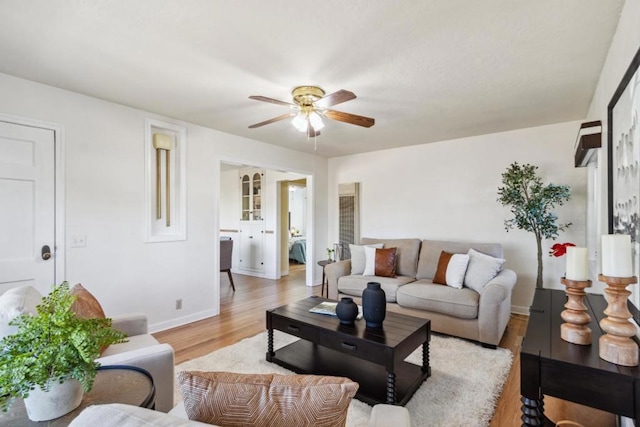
{"x":254,"y":211}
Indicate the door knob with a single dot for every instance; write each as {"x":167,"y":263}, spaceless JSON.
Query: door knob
{"x":46,"y":252}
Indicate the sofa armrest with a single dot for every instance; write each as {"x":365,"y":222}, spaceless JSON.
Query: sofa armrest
{"x":333,"y":272}
{"x":158,"y":360}
{"x":495,"y":307}
{"x":121,"y":415}
{"x":131,"y":324}
{"x":500,"y":287}
{"x":383,"y":415}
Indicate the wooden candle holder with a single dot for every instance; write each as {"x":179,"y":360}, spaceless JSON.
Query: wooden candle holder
{"x":616,"y":346}
{"x":575,"y":329}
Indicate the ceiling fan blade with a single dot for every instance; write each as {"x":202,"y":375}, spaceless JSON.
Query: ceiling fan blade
{"x":271,"y":100}
{"x":335,"y":98}
{"x":275,"y":119}
{"x":350,"y":118}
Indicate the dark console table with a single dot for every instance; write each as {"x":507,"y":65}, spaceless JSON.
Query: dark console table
{"x":552,"y":366}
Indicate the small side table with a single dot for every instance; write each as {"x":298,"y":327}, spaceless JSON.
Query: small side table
{"x":323,"y":264}
{"x":113,"y":384}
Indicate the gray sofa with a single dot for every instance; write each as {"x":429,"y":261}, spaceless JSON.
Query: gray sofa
{"x":119,"y":415}
{"x":464,"y":313}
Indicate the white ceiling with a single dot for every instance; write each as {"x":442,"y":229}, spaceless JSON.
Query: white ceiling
{"x":425,"y":70}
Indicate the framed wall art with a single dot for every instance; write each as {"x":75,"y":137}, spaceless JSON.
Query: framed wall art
{"x":623,"y":141}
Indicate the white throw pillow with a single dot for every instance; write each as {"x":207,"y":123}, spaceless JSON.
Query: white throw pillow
{"x":358,"y":259}
{"x":482,"y":268}
{"x":456,"y":270}
{"x":370,"y":261}
{"x":14,"y":302}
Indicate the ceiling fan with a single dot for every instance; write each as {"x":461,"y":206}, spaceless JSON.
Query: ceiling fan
{"x":310,"y":105}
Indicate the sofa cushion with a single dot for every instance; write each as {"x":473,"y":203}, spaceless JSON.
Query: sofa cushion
{"x":354,"y":285}
{"x":431,"y":249}
{"x":425,"y":295}
{"x":227,"y":398}
{"x":406,"y":253}
{"x":358,"y":259}
{"x":133,"y":343}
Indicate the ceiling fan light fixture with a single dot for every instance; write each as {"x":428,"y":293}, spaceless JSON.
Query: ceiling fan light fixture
{"x":300,"y":121}
{"x":316,"y":121}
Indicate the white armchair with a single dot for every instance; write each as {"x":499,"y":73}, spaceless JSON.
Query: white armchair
{"x":143,"y":351}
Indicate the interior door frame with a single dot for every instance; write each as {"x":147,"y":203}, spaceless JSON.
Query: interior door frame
{"x":311,"y":220}
{"x":59,"y":257}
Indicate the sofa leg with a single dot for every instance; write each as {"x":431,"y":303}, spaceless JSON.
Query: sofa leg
{"x":491,"y":346}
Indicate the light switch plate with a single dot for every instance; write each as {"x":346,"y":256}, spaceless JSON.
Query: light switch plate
{"x":79,"y":241}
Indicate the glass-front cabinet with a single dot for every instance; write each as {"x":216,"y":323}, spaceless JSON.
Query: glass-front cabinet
{"x":252,"y":239}
{"x":251,"y":191}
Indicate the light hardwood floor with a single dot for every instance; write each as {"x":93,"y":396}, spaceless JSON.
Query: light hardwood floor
{"x":242,"y":315}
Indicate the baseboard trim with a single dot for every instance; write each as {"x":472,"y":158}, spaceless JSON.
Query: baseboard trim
{"x":517,"y":309}
{"x":179,"y":321}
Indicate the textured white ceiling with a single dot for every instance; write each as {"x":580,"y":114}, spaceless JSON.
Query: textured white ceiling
{"x":425,"y":70}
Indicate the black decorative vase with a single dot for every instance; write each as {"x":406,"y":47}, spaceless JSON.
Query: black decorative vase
{"x":374,"y":305}
{"x":347,"y":311}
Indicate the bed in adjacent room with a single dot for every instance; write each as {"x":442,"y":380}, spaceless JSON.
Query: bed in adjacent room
{"x":298,"y":249}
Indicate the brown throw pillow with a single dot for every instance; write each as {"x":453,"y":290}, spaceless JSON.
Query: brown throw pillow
{"x":386,"y":262}
{"x":86,"y":306}
{"x":231,"y":399}
{"x":441,"y":273}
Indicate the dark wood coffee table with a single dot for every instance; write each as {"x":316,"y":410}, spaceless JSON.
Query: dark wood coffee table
{"x":374,"y":358}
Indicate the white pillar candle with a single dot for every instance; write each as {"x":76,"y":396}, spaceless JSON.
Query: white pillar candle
{"x":577,"y":263}
{"x":616,"y":255}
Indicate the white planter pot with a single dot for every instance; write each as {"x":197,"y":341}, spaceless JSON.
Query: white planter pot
{"x":59,"y":400}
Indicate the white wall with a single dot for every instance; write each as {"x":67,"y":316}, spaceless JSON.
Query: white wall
{"x":624,"y":46}
{"x":298,"y":208}
{"x":105,"y":201}
{"x":448,"y":190}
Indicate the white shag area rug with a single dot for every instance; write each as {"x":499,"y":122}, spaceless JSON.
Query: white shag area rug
{"x":465,"y":383}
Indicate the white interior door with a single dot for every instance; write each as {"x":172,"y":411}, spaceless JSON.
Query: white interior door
{"x":27,"y":200}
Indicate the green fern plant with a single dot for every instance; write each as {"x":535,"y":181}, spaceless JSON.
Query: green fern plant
{"x":53,"y":345}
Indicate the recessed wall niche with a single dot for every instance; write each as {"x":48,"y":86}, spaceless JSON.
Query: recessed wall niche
{"x":165,"y":181}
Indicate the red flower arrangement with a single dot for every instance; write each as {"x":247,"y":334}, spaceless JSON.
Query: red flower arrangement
{"x":559,"y":249}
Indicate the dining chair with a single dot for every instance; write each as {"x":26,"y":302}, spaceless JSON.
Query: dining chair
{"x":226,"y":252}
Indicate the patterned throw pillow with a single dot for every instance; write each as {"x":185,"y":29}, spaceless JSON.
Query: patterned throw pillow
{"x":86,"y":306}
{"x":262,"y":400}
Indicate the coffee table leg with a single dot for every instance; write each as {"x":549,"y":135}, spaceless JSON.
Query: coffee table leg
{"x":270,"y":352}
{"x":425,"y":358}
{"x":532,"y":412}
{"x":391,"y":388}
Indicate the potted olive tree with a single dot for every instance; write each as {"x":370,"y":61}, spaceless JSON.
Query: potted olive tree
{"x":50,"y":360}
{"x":531,"y":203}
